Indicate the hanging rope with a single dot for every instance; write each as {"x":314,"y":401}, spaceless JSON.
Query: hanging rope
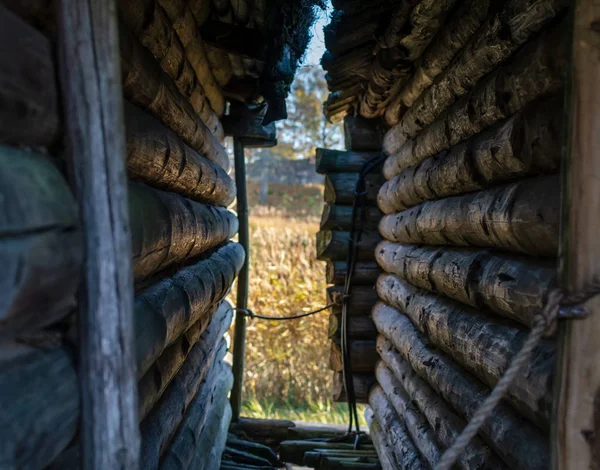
{"x":250,"y":314}
{"x":544,"y":324}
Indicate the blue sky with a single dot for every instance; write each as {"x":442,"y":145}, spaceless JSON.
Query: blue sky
{"x":316,"y":47}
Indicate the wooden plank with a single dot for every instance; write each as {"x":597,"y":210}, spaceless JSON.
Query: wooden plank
{"x":90,"y":79}
{"x":576,"y":441}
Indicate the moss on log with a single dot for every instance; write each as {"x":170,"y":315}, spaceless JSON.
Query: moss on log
{"x":365,"y":272}
{"x":446,"y":424}
{"x":418,"y":428}
{"x":484,"y":345}
{"x":363,"y":356}
{"x":491,"y":45}
{"x":158,"y":157}
{"x":524,"y":145}
{"x":511,"y":286}
{"x":362,"y":385}
{"x":168,"y":229}
{"x":334,"y":245}
{"x":403,"y":448}
{"x":359,"y":328}
{"x":340,"y":187}
{"x":520,"y":444}
{"x":521,"y":217}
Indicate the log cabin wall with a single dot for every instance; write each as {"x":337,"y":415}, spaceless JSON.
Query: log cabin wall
{"x":176,"y":78}
{"x":472,"y":94}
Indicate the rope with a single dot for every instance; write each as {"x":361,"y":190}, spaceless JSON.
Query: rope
{"x":250,"y":314}
{"x":544,"y":324}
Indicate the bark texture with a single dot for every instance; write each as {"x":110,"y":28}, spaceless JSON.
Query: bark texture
{"x":378,"y":434}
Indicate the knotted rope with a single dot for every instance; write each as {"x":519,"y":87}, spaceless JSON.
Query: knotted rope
{"x":544,"y":324}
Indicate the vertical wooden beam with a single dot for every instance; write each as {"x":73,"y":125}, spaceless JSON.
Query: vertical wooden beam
{"x":239,"y":341}
{"x":93,"y":114}
{"x":576,"y":433}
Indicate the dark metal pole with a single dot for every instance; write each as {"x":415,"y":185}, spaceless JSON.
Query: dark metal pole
{"x":239,"y":342}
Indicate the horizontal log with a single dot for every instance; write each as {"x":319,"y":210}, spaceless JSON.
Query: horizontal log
{"x":215,"y":436}
{"x":293,"y":451}
{"x":260,"y":450}
{"x":363,"y":356}
{"x":521,"y":217}
{"x":340,"y":187}
{"x":334,"y":245}
{"x":380,"y":442}
{"x":160,"y":37}
{"x":346,"y":32}
{"x":29,"y":111}
{"x":349,"y":463}
{"x":403,"y":448}
{"x":359,"y":328}
{"x":207,"y":407}
{"x":481,"y":343}
{"x":341,"y":161}
{"x":362,"y":135}
{"x":416,"y":425}
{"x":154,"y":382}
{"x":245,"y":459}
{"x":336,"y":217}
{"x":526,"y":144}
{"x":362,"y":299}
{"x":160,"y":426}
{"x":511,"y":286}
{"x":158,"y":157}
{"x":365,"y":272}
{"x":520,"y":444}
{"x":266,"y":431}
{"x":168,"y":229}
{"x":462,"y":23}
{"x":444,"y":422}
{"x":321,"y":458}
{"x":146,"y":85}
{"x":488,"y":48}
{"x":362,"y":385}
{"x":41,"y":250}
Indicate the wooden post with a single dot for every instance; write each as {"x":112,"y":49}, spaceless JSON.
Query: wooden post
{"x":576,"y":433}
{"x":239,"y":341}
{"x":90,"y":80}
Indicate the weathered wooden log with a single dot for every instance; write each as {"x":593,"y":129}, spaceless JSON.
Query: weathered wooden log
{"x":362,"y":385}
{"x":481,"y":343}
{"x":359,"y":328}
{"x":524,"y":145}
{"x":349,"y":463}
{"x":417,"y":426}
{"x":361,"y":302}
{"x":163,"y":421}
{"x":520,"y":444}
{"x":220,"y":65}
{"x":158,"y":157}
{"x":336,"y":115}
{"x":154,"y":382}
{"x":215,"y":439}
{"x":348,"y":68}
{"x":342,"y":161}
{"x":254,"y":448}
{"x":340,"y":187}
{"x":365,"y":272}
{"x":165,"y":310}
{"x":266,"y":431}
{"x":334,"y":245}
{"x":293,"y":451}
{"x":403,"y":448}
{"x":382,"y":446}
{"x":362,"y":135}
{"x":540,"y":61}
{"x":346,"y":32}
{"x":317,"y":458}
{"x":41,"y":250}
{"x":168,"y":229}
{"x":336,"y":217}
{"x":29,"y":111}
{"x":146,"y":85}
{"x":206,"y":408}
{"x":446,"y":424}
{"x":245,"y":459}
{"x":303,"y":431}
{"x":161,"y":39}
{"x":521,"y":217}
{"x":511,"y":286}
{"x":363,"y":356}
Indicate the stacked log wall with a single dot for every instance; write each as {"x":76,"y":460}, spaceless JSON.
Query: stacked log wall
{"x":471,"y":225}
{"x":184,"y":261}
{"x":342,"y":169}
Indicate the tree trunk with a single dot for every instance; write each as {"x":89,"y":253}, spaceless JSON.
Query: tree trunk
{"x":511,"y":286}
{"x":158,"y":157}
{"x":359,"y":328}
{"x":360,"y":303}
{"x":379,"y":436}
{"x":363,"y":356}
{"x":489,"y":47}
{"x":340,"y":187}
{"x":340,"y":161}
{"x":526,"y":144}
{"x":334,"y":246}
{"x":365,"y":272}
{"x":337,"y":217}
{"x":362,"y":385}
{"x":521,"y":217}
{"x":518,"y":442}
{"x":445,"y":423}
{"x":403,"y":448}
